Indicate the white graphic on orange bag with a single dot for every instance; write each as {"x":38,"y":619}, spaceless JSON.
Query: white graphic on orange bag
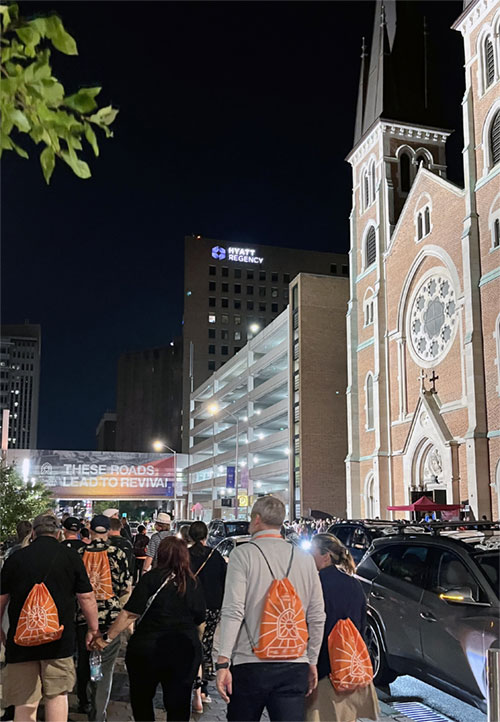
{"x":98,"y":569}
{"x":350,"y":662}
{"x":39,"y":619}
{"x":283,"y":628}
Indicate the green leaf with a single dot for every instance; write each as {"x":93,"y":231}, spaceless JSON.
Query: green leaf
{"x":20,"y":151}
{"x":83,"y":101}
{"x":53,"y":92}
{"x":91,"y":138}
{"x":47,"y":161}
{"x":104,"y":116}
{"x":29,"y":36}
{"x":4,"y":12}
{"x":79,"y":167}
{"x":61,"y":39}
{"x":20,"y":120}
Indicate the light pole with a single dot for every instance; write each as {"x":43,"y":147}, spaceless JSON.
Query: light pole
{"x":158,"y":446}
{"x":214,"y":409}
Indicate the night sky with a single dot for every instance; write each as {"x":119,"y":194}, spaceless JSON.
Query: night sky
{"x":235,"y":120}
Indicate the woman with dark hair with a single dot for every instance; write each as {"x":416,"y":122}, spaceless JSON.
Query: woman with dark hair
{"x":167,"y":605}
{"x":344,"y":599}
{"x":210,"y":568}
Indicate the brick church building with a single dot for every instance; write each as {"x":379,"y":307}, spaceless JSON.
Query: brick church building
{"x":423,"y":318}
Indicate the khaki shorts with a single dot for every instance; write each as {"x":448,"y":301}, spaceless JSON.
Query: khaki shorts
{"x":28,"y":682}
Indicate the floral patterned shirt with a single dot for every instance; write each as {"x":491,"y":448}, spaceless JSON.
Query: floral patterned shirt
{"x":108,"y":609}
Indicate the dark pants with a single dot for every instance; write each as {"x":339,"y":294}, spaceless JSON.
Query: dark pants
{"x":96,"y":694}
{"x":139,"y":563}
{"x":174,"y":666}
{"x":280,"y":687}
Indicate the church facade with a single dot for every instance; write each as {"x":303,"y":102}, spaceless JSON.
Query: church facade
{"x":423,"y":320}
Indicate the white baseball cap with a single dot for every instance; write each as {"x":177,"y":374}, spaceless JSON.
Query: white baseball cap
{"x":110,"y":512}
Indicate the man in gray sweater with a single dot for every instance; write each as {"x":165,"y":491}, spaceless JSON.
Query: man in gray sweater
{"x":250,"y":684}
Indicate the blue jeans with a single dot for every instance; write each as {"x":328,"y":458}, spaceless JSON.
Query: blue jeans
{"x":280,"y":687}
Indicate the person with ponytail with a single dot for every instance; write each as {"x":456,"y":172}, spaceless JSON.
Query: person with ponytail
{"x":344,"y":599}
{"x":210,"y":568}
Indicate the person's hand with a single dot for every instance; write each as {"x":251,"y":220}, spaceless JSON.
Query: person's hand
{"x":224,"y":684}
{"x":99,"y":644}
{"x":91,"y":637}
{"x":312,"y":681}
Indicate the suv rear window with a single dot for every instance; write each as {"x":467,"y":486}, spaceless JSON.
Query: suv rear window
{"x":489,"y":564}
{"x":236,"y":528}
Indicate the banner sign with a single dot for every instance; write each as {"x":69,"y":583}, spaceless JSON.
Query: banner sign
{"x":230,"y":477}
{"x":179,"y":488}
{"x":98,"y":474}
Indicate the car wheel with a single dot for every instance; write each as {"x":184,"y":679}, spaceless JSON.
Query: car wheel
{"x":382,"y":675}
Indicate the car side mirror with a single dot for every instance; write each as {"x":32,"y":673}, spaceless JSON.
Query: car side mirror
{"x":459,"y":595}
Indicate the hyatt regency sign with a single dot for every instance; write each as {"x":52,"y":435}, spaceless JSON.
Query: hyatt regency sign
{"x":99,"y":474}
{"x":240,"y":255}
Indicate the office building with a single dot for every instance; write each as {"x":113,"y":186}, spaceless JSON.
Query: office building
{"x":20,"y":347}
{"x":276,"y":411}
{"x":230,"y":293}
{"x":149,"y":397}
{"x":106,"y":432}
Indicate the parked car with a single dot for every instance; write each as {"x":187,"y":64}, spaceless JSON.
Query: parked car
{"x":178,"y":523}
{"x":433,"y":607}
{"x":358,"y":534}
{"x":219,"y":529}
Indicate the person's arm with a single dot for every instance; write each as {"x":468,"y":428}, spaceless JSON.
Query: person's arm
{"x":88,"y":605}
{"x":123,"y":620}
{"x":4,"y":600}
{"x":151,"y":550}
{"x":232,"y":615}
{"x":315,"y":617}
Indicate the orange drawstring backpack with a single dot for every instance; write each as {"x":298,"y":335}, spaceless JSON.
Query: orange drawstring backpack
{"x":350,"y":662}
{"x":283,"y":628}
{"x":98,"y":569}
{"x":38,"y":621}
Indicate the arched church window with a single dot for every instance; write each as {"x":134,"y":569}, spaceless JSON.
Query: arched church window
{"x":369,"y":402}
{"x":427,"y":221}
{"x":496,"y":233}
{"x":366,"y":190}
{"x":495,"y":139}
{"x":420,"y":229}
{"x":421,"y":159}
{"x":489,"y":62}
{"x":370,"y":247}
{"x":371,"y":175}
{"x":404,"y":169}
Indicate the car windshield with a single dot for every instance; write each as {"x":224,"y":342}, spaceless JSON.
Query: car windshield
{"x":235,"y":528}
{"x":490,"y":566}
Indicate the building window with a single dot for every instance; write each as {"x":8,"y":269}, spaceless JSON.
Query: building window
{"x":225,"y":271}
{"x":274,"y":277}
{"x":366,"y":190}
{"x":211,"y":333}
{"x":237,"y":320}
{"x":225,"y":287}
{"x":496,"y":233}
{"x":274,"y":307}
{"x":345,"y":270}
{"x":224,"y":302}
{"x":286,"y":278}
{"x":211,"y":301}
{"x":369,"y":402}
{"x":262,"y":275}
{"x":423,"y":223}
{"x":211,"y":349}
{"x":237,"y":335}
{"x":404,"y":170}
{"x":249,"y":305}
{"x":212,"y":285}
{"x":211,"y":365}
{"x":211,"y":318}
{"x":370,"y":247}
{"x":237,"y":305}
{"x":249,"y":275}
{"x":224,"y":350}
{"x":495,"y":139}
{"x":224,"y":334}
{"x":274,"y":293}
{"x":237,"y":288}
{"x":237,"y":272}
{"x":212,"y":270}
{"x":333,"y":268}
{"x":262,"y":307}
{"x":224,"y":318}
{"x":489,"y":62}
{"x":368,"y":308}
{"x":262,"y":291}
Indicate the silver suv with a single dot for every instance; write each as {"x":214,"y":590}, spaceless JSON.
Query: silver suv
{"x":433,"y":607}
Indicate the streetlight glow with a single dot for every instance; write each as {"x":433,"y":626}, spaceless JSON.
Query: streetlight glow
{"x":213,"y":409}
{"x":158,"y":445}
{"x":254,"y":327}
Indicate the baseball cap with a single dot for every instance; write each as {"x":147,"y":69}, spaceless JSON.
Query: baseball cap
{"x":163,"y":518}
{"x":100,"y":524}
{"x":48,"y":521}
{"x":110,"y":512}
{"x":72,"y":523}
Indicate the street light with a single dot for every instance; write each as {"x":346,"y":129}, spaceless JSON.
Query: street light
{"x":214,"y":409}
{"x":159,"y":446}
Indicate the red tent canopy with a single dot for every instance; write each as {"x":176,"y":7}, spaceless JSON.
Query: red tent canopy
{"x":425,"y":504}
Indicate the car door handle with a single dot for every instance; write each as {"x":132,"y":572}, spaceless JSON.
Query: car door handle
{"x":376,"y":595}
{"x":428,"y":617}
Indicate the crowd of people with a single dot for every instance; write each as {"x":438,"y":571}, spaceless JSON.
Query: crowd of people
{"x":165,"y":596}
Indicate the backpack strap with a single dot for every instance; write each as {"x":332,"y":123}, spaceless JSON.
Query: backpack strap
{"x":291,"y":560}
{"x":265,"y":558}
{"x":205,"y":562}
{"x":151,"y":599}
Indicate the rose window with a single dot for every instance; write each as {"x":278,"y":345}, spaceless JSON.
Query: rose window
{"x":433,"y":318}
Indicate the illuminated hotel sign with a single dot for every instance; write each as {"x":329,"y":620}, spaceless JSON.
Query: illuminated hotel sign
{"x":240,"y":255}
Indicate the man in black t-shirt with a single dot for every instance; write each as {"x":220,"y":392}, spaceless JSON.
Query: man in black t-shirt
{"x":71,"y":527}
{"x":46,"y":670}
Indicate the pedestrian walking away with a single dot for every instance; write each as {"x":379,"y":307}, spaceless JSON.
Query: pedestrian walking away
{"x":344,"y":599}
{"x":140,"y":543}
{"x":116,"y":539}
{"x":162,"y":526}
{"x":167,"y":605}
{"x":71,"y":527}
{"x":260,"y":664}
{"x":41,"y":583}
{"x":210,"y":568}
{"x":108,"y":572}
